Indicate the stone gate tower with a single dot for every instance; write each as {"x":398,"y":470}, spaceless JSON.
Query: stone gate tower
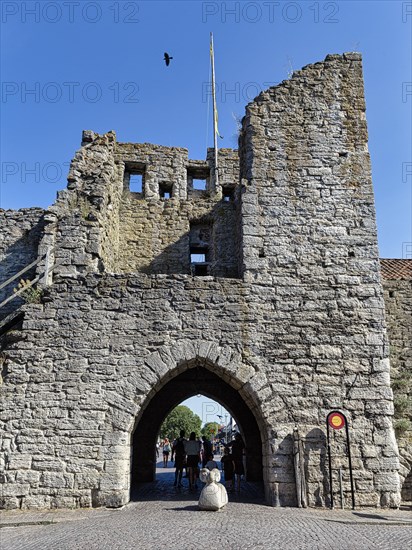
{"x":263,"y":292}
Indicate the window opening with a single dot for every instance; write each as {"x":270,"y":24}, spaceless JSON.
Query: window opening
{"x":134,"y":177}
{"x":199,"y":264}
{"x":165,"y":190}
{"x":199,"y":184}
{"x":136,"y":183}
{"x":198,"y":180}
{"x":228,"y":193}
{"x":200,"y":270}
{"x":196,"y":258}
{"x":199,"y":249}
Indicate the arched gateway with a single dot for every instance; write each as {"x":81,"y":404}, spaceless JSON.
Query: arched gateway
{"x":262,"y":290}
{"x":193,"y":380}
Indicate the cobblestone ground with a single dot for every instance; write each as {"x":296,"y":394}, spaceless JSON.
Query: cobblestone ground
{"x":162,"y":516}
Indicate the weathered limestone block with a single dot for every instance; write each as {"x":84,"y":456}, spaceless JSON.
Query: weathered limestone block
{"x":56,"y":480}
{"x":19,"y":462}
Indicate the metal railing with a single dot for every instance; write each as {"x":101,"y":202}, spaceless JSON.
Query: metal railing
{"x":43,"y":275}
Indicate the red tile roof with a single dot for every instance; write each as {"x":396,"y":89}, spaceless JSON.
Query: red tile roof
{"x":393,"y":268}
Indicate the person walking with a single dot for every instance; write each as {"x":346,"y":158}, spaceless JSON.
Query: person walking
{"x":173,"y":444}
{"x":179,"y":453}
{"x":192,"y":450}
{"x":166,"y":451}
{"x":238,"y":450}
{"x":206,"y":451}
{"x":228,"y":467}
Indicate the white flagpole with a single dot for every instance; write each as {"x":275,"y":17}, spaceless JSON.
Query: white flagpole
{"x":215,"y":130}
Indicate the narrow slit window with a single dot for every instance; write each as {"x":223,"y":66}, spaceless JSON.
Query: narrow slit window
{"x":199,"y":251}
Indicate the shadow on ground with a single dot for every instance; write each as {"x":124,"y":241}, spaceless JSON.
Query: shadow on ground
{"x":163,"y":489}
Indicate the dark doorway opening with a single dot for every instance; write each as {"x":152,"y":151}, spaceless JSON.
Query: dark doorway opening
{"x":193,"y":381}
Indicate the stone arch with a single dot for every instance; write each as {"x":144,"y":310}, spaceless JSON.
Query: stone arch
{"x":189,"y":369}
{"x":197,"y":379}
{"x":226,"y":361}
{"x":127,"y":405}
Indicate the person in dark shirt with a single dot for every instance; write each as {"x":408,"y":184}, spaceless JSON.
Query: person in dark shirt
{"x":238,"y":451}
{"x":180,"y":458}
{"x":207,"y":450}
{"x":228,"y":466}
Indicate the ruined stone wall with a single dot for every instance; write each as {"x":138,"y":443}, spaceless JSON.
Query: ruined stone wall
{"x":88,"y":364}
{"x":82,"y":226}
{"x":154,"y":232}
{"x":155,"y":238}
{"x":310,"y":248}
{"x":87,"y":213}
{"x":300,"y":332}
{"x":99,"y":225}
{"x":20,"y":233}
{"x":89,"y":359}
{"x":397,"y":284}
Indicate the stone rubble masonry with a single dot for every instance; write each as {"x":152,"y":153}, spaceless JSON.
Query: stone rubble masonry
{"x":154,"y":234}
{"x":397,"y":285}
{"x":289,"y":312}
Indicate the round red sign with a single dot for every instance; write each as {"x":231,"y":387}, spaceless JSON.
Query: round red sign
{"x":336,"y":420}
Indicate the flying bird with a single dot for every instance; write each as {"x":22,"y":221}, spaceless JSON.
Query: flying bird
{"x":167,"y":59}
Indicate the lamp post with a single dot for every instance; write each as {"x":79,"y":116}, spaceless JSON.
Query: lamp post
{"x":221,"y":418}
{"x":226,"y":429}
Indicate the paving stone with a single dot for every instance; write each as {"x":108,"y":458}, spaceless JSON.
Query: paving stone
{"x":161,"y":512}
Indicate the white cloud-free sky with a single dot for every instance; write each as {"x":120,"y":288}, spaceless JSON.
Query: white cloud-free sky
{"x":207,"y":409}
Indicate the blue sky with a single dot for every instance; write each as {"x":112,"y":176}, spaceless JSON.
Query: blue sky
{"x":207,"y":409}
{"x":98,"y":65}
